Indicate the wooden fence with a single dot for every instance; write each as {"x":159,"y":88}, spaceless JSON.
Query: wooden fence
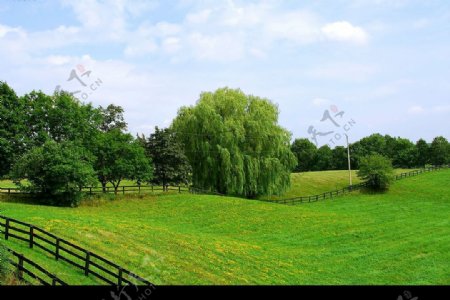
{"x":90,"y":263}
{"x":26,"y":269}
{"x":348,"y":189}
{"x":136,"y":189}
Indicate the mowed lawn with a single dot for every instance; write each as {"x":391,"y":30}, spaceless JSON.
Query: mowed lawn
{"x":398,"y":238}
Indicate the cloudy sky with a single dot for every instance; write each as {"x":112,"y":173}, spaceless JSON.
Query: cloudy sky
{"x":380,"y":65}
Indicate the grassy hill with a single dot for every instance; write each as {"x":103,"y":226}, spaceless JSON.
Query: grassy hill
{"x":401,"y":237}
{"x":313,"y":183}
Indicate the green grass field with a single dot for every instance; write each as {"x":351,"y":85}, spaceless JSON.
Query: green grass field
{"x":398,"y":238}
{"x":313,"y":183}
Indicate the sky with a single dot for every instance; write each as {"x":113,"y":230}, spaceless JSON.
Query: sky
{"x":352,"y":67}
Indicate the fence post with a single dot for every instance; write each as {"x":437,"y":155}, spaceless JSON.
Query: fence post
{"x":179,"y":189}
{"x":120,"y":277}
{"x":90,"y":191}
{"x":6,"y":229}
{"x":152,"y":187}
{"x":9,"y":191}
{"x":20,"y":267}
{"x":57,"y":249}
{"x":31,"y":236}
{"x":86,"y":266}
{"x":123,"y":190}
{"x":139,"y":189}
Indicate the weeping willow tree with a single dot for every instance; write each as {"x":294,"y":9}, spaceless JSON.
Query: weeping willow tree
{"x":235,"y":145}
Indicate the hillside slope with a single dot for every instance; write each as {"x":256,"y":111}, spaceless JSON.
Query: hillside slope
{"x":401,"y":237}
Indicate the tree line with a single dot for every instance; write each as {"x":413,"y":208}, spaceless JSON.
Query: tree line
{"x":60,"y":145}
{"x":402,"y":152}
{"x":228,"y":142}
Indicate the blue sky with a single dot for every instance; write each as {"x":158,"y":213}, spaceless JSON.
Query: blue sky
{"x":385,"y":64}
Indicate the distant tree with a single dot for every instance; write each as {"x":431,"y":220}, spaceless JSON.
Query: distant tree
{"x":11,"y":127}
{"x":423,"y":153}
{"x":56,"y":169}
{"x":171,"y":165}
{"x":340,"y":160}
{"x":440,"y":151}
{"x":376,"y":170}
{"x":118,"y":157}
{"x":404,"y":154}
{"x":235,"y":145}
{"x":305,"y":152}
{"x":391,"y":142}
{"x":324,"y":159}
{"x":59,"y":117}
{"x":112,"y":118}
{"x":373,"y":144}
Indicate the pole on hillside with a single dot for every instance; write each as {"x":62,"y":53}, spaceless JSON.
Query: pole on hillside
{"x":349,"y":164}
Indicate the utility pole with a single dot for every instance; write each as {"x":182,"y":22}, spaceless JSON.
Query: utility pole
{"x":349,"y":164}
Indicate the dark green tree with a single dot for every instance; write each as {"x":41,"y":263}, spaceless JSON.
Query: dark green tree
{"x":340,"y":160}
{"x":118,"y":157}
{"x":440,"y":151}
{"x":12,"y":128}
{"x":374,"y":143}
{"x":324,"y":159}
{"x":423,"y":153}
{"x":235,"y":145}
{"x":404,"y":153}
{"x":305,"y":152}
{"x":112,"y":118}
{"x":59,"y":117}
{"x":171,"y":165}
{"x":376,"y":170}
{"x":55,"y":169}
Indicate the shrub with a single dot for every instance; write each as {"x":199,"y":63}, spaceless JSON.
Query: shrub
{"x":377,"y":171}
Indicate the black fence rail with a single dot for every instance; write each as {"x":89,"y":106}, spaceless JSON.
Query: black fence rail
{"x":348,"y":189}
{"x":90,"y":263}
{"x":31,"y":273}
{"x":138,"y":189}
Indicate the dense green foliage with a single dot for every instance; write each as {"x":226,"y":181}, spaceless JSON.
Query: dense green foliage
{"x":171,"y":165}
{"x":400,"y":237}
{"x":119,"y":157}
{"x":376,"y":170}
{"x":440,"y":151}
{"x":57,"y":170}
{"x":234,"y":144}
{"x":11,"y":128}
{"x":59,"y":144}
{"x":402,"y":152}
{"x":305,"y":152}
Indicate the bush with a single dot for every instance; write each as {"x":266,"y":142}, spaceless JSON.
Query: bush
{"x":56,"y":172}
{"x":377,"y":171}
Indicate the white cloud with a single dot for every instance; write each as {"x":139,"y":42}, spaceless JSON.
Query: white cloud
{"x":320,"y":102}
{"x":343,"y":31}
{"x":441,"y":108}
{"x":301,"y":27}
{"x":220,"y":47}
{"x":343,"y":72}
{"x":416,"y":109}
{"x":200,"y":17}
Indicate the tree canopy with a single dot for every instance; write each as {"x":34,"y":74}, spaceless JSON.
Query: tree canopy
{"x":376,"y":170}
{"x":171,"y":165}
{"x":235,"y":145}
{"x":56,"y":168}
